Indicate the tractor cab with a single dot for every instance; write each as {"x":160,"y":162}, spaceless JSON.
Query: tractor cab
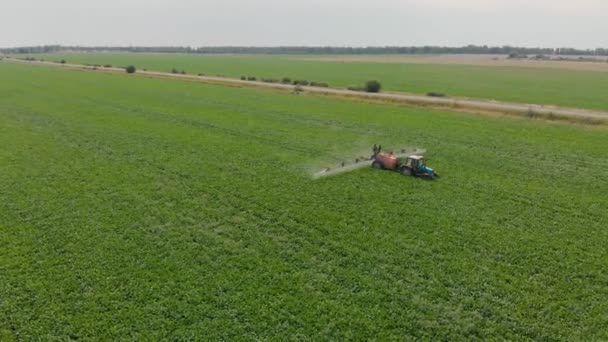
{"x":415,"y":162}
{"x":416,"y":165}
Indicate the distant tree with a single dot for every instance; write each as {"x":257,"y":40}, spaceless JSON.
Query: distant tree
{"x":174,"y":71}
{"x":62,"y":61}
{"x":469,"y":49}
{"x":130,"y":69}
{"x":244,"y":78}
{"x":372,"y":86}
{"x":286,"y":80}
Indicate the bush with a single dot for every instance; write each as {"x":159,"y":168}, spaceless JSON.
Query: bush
{"x":251,"y":78}
{"x":107,"y":66}
{"x":286,"y":80}
{"x":270,"y":80}
{"x":62,"y":61}
{"x":183,"y":72}
{"x":301,"y":82}
{"x":516,"y":55}
{"x":319,"y":84}
{"x":244,"y":78}
{"x":130,"y":69}
{"x":355,"y":88}
{"x":434,"y":94}
{"x":174,"y":71}
{"x":372,"y":86}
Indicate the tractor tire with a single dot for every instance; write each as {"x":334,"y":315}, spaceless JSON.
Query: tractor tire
{"x":406,"y":171}
{"x":377,"y":165}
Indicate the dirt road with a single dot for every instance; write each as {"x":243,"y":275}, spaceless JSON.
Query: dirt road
{"x":461,"y":105}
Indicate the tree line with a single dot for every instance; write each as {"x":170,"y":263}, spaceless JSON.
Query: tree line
{"x":320,"y":50}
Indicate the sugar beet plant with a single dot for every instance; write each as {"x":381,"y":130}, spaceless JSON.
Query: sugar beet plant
{"x":135,"y":208}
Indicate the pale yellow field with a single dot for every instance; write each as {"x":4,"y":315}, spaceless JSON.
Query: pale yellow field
{"x":466,"y":59}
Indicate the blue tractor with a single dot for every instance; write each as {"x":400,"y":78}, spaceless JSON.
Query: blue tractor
{"x":408,"y":165}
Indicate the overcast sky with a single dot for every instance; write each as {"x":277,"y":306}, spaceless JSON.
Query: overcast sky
{"x":546,"y":23}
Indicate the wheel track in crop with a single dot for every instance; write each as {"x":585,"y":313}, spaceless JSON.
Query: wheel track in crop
{"x":171,"y":118}
{"x":268,"y":138}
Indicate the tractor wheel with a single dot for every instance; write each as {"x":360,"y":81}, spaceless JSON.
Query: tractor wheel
{"x":406,"y":171}
{"x":376,"y":165}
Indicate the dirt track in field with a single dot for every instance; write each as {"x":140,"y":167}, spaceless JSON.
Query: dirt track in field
{"x":453,"y":104}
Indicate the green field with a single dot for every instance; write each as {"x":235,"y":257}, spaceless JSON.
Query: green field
{"x":146,"y":209}
{"x":569,"y":88}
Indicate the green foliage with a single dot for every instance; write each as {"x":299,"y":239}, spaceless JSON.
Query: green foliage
{"x":355,"y":88}
{"x":157,"y":209}
{"x":435,"y":94}
{"x":372,"y":86}
{"x":286,"y":80}
{"x":130,"y":69}
{"x":251,"y":78}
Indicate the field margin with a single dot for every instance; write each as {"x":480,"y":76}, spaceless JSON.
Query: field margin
{"x":462,"y":105}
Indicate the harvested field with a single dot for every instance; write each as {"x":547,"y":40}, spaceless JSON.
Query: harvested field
{"x":600,"y":65}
